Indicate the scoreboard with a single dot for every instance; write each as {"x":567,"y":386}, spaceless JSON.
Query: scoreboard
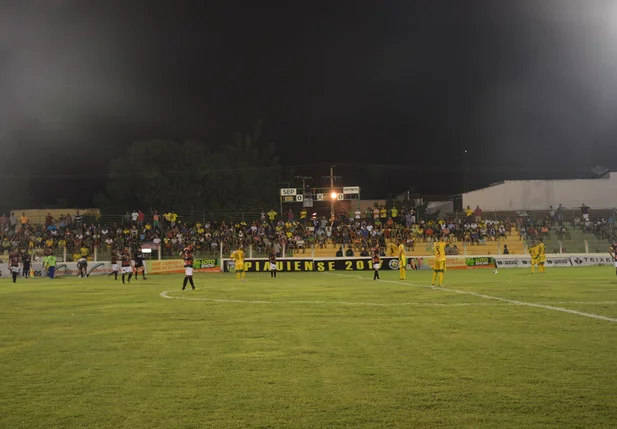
{"x":308,"y":196}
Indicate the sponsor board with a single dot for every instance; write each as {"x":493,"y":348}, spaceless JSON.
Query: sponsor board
{"x":310,"y":264}
{"x":525,"y":261}
{"x":585,"y":260}
{"x":62,"y":269}
{"x":175,"y":266}
{"x":480,"y":262}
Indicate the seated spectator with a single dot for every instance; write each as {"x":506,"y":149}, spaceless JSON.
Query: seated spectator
{"x":349,"y":252}
{"x":339,"y":253}
{"x":506,"y":251}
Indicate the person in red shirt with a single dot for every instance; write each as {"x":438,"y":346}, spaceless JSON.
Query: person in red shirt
{"x":376,"y":264}
{"x":14,"y":265}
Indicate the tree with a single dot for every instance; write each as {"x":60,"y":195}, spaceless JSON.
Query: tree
{"x":167,"y":174}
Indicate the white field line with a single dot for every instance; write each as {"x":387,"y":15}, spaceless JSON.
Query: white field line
{"x":165,"y":294}
{"x":496,"y":298}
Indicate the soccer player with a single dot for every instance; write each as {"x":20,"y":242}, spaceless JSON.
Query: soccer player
{"x":139,"y":265}
{"x":439,"y":266}
{"x":376,"y":264}
{"x":402,"y":261}
{"x":273,"y":264}
{"x":541,"y":257}
{"x":51,"y":265}
{"x":14,"y":265}
{"x":26,"y":259}
{"x":114,"y":264}
{"x":126,"y":265}
{"x":534,"y":252}
{"x":613,"y":252}
{"x":238,"y":257}
{"x":187,"y":255}
{"x":82,"y":267}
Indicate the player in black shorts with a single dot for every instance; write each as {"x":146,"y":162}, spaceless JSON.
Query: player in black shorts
{"x":14,"y":265}
{"x":126,"y":265}
{"x":187,"y":255}
{"x":82,"y":267}
{"x":139,"y":265}
{"x":25,"y":260}
{"x":613,"y":252}
{"x":114,"y":264}
{"x":272,"y":264}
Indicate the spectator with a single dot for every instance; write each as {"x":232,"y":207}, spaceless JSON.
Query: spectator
{"x":468,"y":213}
{"x":505,"y":249}
{"x":134,"y":217}
{"x":24,"y":221}
{"x":78,"y":220}
{"x":349,"y":252}
{"x":13,"y":222}
{"x":585,"y":212}
{"x":478,"y":214}
{"x":560,"y":211}
{"x":339,"y":252}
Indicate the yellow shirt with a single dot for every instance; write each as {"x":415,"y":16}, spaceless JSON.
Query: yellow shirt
{"x":468,"y":212}
{"x":401,"y":252}
{"x":272,"y":214}
{"x":541,"y":249}
{"x":534,"y":251}
{"x":238,"y":256}
{"x":440,"y":251}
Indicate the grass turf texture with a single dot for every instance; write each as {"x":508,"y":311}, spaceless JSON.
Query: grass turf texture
{"x":93,"y":353}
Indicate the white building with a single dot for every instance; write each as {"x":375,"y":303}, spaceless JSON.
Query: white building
{"x":540,"y":194}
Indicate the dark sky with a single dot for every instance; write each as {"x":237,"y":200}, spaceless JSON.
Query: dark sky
{"x":528,"y":87}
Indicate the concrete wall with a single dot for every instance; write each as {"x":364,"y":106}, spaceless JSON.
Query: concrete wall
{"x":540,"y":194}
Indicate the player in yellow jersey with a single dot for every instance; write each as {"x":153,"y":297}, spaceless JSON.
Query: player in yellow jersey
{"x":439,"y":266}
{"x":541,"y":257}
{"x":238,"y":257}
{"x":534,"y":253}
{"x":402,"y":261}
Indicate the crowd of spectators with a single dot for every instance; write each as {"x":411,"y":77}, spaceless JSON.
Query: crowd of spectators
{"x":359,"y":231}
{"x":352,"y":232}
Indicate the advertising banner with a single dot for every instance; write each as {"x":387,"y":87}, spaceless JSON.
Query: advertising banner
{"x":62,"y":269}
{"x":310,"y":264}
{"x":174,"y":266}
{"x":525,"y":261}
{"x":585,"y":260}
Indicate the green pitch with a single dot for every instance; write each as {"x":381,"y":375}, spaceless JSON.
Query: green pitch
{"x":312,"y":350}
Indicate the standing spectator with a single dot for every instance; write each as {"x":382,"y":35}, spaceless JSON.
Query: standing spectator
{"x":134,"y":217}
{"x":505,"y":249}
{"x":272,"y":215}
{"x":126,"y":219}
{"x":140,"y":219}
{"x":13,"y":222}
{"x":394,"y":214}
{"x":290,"y":216}
{"x":49,"y":220}
{"x":155,"y":219}
{"x":551,"y":214}
{"x":24,"y":221}
{"x":468,"y":213}
{"x":4,"y":222}
{"x":585,"y":212}
{"x":560,"y":211}
{"x":78,"y":220}
{"x":478,"y":214}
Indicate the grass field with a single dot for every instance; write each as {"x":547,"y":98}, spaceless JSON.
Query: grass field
{"x":311,"y":351}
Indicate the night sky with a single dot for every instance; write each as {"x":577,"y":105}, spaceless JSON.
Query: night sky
{"x":528,"y":87}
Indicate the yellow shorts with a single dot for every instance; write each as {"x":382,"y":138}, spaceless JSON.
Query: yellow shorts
{"x":542,"y":259}
{"x":439,"y":266}
{"x":535,"y":261}
{"x":240,"y":266}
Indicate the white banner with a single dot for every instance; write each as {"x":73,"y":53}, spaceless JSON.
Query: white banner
{"x":516,"y":261}
{"x":285,"y":192}
{"x":351,"y":190}
{"x":62,"y":269}
{"x":585,"y":260}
